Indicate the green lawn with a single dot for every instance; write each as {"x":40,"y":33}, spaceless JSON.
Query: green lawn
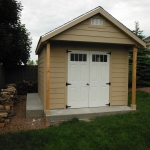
{"x":117,"y":132}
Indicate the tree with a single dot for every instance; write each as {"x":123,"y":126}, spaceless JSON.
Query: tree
{"x":143,"y":62}
{"x":137,"y":31}
{"x":30,"y":62}
{"x":15,"y":43}
{"x":36,"y":62}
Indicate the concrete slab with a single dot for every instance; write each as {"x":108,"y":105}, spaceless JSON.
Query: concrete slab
{"x":60,"y":112}
{"x":110,"y":109}
{"x":34,"y":107}
{"x":60,"y":115}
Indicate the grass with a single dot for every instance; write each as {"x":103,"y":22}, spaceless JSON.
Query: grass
{"x":130,"y":131}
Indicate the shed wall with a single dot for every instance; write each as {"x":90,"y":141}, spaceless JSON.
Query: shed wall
{"x":41,"y":76}
{"x":58,"y":72}
{"x":57,"y":77}
{"x":84,"y":31}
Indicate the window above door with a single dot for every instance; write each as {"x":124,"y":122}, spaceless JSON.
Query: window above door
{"x":99,"y":58}
{"x":78,"y":57}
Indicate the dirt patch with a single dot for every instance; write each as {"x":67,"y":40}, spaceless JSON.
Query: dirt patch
{"x":20,"y":122}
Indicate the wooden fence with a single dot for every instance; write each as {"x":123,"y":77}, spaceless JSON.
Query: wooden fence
{"x":2,"y":77}
{"x":17,"y":74}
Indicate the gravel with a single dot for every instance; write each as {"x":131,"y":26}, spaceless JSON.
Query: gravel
{"x":19,"y":122}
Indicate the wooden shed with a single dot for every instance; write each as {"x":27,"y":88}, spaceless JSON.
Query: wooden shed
{"x":84,"y":63}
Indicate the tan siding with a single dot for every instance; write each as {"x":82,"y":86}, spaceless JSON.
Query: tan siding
{"x":57,"y":77}
{"x":117,"y":80}
{"x":119,"y":73}
{"x":56,"y":96}
{"x":119,"y":70}
{"x":95,"y":34}
{"x":57,"y":65}
{"x":58,"y":72}
{"x":58,"y":80}
{"x":118,"y":88}
{"x":54,"y":106}
{"x":58,"y":59}
{"x":57,"y":101}
{"x":118,"y":103}
{"x":41,"y":75}
{"x":41,"y":65}
{"x":119,"y":98}
{"x":121,"y":66}
{"x":61,"y":90}
{"x":84,"y":31}
{"x":57,"y":85}
{"x":57,"y":54}
{"x":92,"y":39}
{"x":119,"y":84}
{"x":118,"y":93}
{"x":121,"y":61}
{"x":111,"y":29}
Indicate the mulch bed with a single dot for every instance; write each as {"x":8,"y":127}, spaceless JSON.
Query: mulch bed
{"x":19,"y":122}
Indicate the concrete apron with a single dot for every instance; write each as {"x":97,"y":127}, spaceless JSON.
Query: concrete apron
{"x":60,"y":115}
{"x":34,"y":108}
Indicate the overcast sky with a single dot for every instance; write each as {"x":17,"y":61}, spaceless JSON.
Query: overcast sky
{"x":41,"y":16}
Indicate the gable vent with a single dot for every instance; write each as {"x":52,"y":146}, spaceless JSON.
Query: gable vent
{"x":98,"y":22}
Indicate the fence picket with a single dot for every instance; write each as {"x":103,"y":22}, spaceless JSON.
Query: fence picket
{"x":17,"y":74}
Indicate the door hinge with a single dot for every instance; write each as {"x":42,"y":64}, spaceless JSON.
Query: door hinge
{"x":67,"y":106}
{"x":108,"y":83}
{"x":108,"y":104}
{"x":109,"y":53}
{"x":67,"y":51}
{"x":67,"y":84}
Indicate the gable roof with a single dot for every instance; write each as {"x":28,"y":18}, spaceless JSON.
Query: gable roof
{"x":83,"y":17}
{"x":147,"y":39}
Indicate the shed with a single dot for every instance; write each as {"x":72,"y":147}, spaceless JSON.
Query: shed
{"x":147,"y":40}
{"x":84,"y":63}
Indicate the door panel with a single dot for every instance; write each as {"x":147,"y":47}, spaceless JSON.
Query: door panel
{"x":78,"y":77}
{"x":99,"y":76}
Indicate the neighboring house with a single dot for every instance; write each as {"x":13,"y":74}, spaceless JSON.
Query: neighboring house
{"x":147,"y":40}
{"x":84,"y":63}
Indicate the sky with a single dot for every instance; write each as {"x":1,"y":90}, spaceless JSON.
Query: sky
{"x":42,"y":16}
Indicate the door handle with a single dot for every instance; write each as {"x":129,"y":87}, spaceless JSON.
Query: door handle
{"x":87,"y":84}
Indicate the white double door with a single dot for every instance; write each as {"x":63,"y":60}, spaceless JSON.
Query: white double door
{"x":88,"y":76}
